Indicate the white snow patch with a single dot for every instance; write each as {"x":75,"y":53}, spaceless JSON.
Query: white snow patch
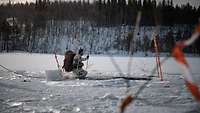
{"x":14,"y":104}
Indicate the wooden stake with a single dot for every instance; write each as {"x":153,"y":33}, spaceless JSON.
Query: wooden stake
{"x":57,"y":61}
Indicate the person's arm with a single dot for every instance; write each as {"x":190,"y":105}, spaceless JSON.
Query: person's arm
{"x":84,"y":59}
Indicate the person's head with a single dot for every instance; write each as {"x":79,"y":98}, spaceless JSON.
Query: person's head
{"x":80,"y":52}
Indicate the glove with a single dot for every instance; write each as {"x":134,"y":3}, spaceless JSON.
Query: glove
{"x":87,"y":57}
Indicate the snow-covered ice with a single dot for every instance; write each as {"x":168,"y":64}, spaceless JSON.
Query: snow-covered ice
{"x":26,"y":90}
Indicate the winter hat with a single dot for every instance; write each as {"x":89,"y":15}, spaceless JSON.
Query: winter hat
{"x":80,"y":51}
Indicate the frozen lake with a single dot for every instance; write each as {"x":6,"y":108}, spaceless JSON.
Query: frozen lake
{"x":29,"y":92}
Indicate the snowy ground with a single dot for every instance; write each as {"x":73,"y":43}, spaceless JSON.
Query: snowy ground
{"x":29,"y":92}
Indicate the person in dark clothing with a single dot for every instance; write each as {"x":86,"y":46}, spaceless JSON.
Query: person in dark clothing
{"x":68,"y":61}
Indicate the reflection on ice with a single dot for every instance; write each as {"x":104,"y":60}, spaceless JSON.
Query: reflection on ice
{"x":15,"y":104}
{"x":40,"y":109}
{"x":66,"y":83}
{"x":91,"y":83}
{"x":109,"y":96}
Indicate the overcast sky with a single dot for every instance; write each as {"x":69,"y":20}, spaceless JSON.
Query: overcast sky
{"x":195,"y":3}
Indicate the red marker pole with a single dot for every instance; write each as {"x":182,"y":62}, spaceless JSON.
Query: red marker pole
{"x":159,"y":69}
{"x":157,"y":66}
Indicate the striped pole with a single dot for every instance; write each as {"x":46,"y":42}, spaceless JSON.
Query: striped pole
{"x":180,"y":58}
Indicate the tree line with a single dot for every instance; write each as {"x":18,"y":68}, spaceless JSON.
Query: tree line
{"x":103,"y":12}
{"x":114,"y":12}
{"x":32,"y":20}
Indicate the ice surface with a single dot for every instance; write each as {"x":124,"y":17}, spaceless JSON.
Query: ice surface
{"x":53,"y":75}
{"x":93,"y":96}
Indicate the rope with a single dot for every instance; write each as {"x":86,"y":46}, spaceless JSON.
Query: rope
{"x":8,"y":69}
